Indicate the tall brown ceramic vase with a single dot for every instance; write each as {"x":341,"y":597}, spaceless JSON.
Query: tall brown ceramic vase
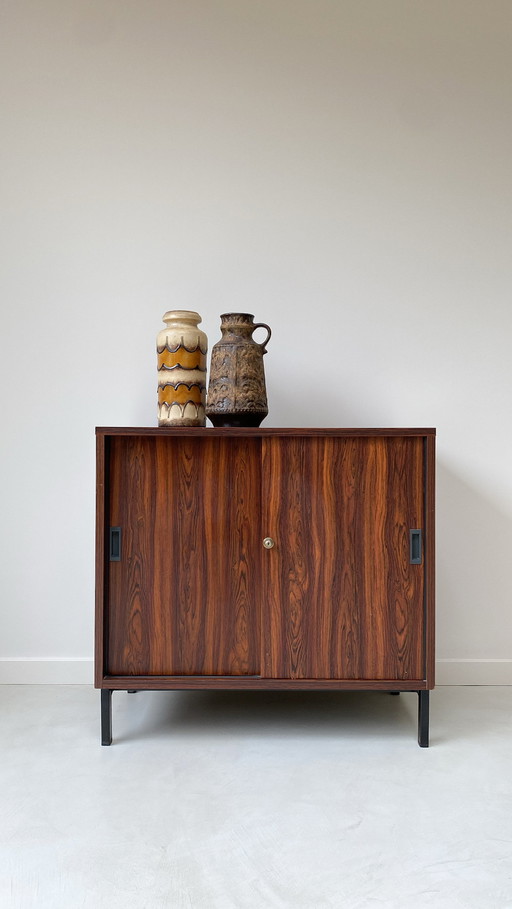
{"x":237,"y":394}
{"x":181,"y":350}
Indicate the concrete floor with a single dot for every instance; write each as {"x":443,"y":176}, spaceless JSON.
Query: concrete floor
{"x":255,"y":801}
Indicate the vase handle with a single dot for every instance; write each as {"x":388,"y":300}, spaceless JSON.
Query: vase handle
{"x":267,"y":339}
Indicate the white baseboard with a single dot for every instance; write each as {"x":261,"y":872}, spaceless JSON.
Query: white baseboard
{"x":473,"y":672}
{"x":62,"y":671}
{"x":56,"y":671}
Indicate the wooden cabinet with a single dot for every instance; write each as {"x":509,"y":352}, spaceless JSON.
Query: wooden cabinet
{"x":265,"y":558}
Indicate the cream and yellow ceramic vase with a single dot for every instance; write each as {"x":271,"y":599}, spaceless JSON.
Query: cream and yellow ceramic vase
{"x":181,"y":348}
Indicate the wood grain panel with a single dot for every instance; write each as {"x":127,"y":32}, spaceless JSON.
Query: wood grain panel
{"x":430,"y":558}
{"x":132,"y":481}
{"x":256,"y":683}
{"x":100,"y":570}
{"x":184,"y":599}
{"x":343,"y":600}
{"x":261,"y":432}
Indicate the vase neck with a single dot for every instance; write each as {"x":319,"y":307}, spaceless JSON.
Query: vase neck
{"x":180,"y":316}
{"x":237,"y":323}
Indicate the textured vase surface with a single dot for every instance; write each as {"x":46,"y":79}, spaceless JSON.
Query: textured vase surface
{"x":181,"y":350}
{"x":237,"y":394}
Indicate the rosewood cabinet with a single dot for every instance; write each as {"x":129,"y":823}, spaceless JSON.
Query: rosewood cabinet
{"x":265,"y":559}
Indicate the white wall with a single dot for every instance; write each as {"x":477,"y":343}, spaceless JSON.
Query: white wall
{"x":341,"y":168}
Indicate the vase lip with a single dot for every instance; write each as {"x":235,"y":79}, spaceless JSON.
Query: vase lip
{"x":183,"y":314}
{"x":230,"y":315}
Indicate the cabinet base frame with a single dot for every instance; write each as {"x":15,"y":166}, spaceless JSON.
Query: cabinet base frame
{"x":423,"y":701}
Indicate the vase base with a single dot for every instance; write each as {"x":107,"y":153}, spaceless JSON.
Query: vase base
{"x":186,"y":423}
{"x":236,"y":419}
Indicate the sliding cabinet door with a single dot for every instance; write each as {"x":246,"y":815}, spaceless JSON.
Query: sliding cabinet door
{"x":343,"y":600}
{"x":183,"y":592}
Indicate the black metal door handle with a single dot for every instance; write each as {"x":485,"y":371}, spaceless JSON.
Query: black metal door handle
{"x":115,"y":544}
{"x":415,"y":547}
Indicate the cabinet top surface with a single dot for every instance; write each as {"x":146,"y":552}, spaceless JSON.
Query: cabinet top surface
{"x":260,"y":431}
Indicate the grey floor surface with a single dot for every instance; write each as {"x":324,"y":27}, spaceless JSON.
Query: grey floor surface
{"x":255,"y":801}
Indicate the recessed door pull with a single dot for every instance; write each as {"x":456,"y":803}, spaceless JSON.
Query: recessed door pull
{"x":415,"y":547}
{"x":115,"y":544}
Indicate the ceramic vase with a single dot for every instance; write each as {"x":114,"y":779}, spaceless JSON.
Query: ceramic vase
{"x":181,"y":350}
{"x":237,"y":394}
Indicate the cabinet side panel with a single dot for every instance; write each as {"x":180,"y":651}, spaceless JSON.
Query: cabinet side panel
{"x":430,"y":558}
{"x":190,"y":525}
{"x":101,"y":578}
{"x":343,"y":600}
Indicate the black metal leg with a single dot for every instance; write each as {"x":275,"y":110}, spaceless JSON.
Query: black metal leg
{"x":106,"y":716}
{"x":423,"y":710}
